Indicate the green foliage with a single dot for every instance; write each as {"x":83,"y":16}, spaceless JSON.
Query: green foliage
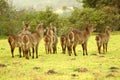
{"x":63,"y":25}
{"x":89,"y":3}
{"x":80,"y":17}
{"x":12,"y":23}
{"x":100,"y":4}
{"x":47,"y":17}
{"x":106,"y":12}
{"x":100,"y":18}
{"x":4,"y":7}
{"x":100,"y":12}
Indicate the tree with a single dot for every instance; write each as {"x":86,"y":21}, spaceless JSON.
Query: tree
{"x":90,"y":3}
{"x":4,"y":7}
{"x":106,"y":12}
{"x":100,"y":18}
{"x":99,"y":4}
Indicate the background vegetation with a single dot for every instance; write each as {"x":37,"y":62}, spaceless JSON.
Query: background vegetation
{"x":100,"y":13}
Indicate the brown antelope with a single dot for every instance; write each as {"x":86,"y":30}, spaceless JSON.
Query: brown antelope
{"x":55,"y":39}
{"x":63,"y":41}
{"x":76,"y":37}
{"x":36,"y":38}
{"x":15,"y":40}
{"x":48,"y":39}
{"x":26,"y":29}
{"x":103,"y":39}
{"x":26,"y":44}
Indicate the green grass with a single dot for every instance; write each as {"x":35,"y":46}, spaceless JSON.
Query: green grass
{"x":96,"y":65}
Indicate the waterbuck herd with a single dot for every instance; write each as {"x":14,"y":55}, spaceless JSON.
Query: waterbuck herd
{"x":28,"y":41}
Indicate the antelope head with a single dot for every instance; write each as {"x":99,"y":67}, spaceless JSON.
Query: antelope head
{"x":26,"y":25}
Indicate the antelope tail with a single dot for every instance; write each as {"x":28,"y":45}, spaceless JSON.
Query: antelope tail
{"x":10,"y":40}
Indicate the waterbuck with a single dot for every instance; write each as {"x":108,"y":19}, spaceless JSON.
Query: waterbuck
{"x":26,"y":29}
{"x":55,"y":39}
{"x":76,"y":37}
{"x":36,"y":37}
{"x":63,"y":41}
{"x":15,"y":40}
{"x":102,"y":39}
{"x":26,"y":44}
{"x":48,"y":39}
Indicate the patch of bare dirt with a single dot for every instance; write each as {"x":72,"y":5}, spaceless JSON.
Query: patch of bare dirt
{"x":2,"y":48}
{"x":74,"y":75}
{"x":101,"y":56}
{"x":81,"y":70}
{"x":114,"y":69}
{"x":36,"y":68}
{"x":73,"y":58}
{"x":3,"y":65}
{"x":51,"y":72}
{"x":93,"y":54}
{"x":110,"y":75}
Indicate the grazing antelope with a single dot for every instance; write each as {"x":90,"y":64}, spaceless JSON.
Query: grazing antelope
{"x":76,"y":37}
{"x":36,"y":37}
{"x":63,"y":41}
{"x":103,"y":39}
{"x":15,"y":40}
{"x":48,"y":39}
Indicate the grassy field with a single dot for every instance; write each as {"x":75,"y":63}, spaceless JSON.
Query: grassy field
{"x":61,"y":66}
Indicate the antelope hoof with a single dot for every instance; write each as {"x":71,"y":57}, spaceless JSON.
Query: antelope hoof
{"x":20,"y":56}
{"x":75,"y":55}
{"x":33,"y":57}
{"x":69,"y":54}
{"x":83,"y":54}
{"x":27,"y":58}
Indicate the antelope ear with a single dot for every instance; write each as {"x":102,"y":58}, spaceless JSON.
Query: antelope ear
{"x":23,"y":22}
{"x":37,"y":26}
{"x":29,"y":22}
{"x":41,"y":24}
{"x":71,"y":28}
{"x":107,"y":27}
